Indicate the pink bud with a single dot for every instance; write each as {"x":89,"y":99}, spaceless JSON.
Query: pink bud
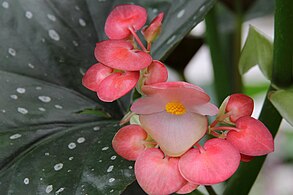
{"x":157,"y":72}
{"x":151,"y":32}
{"x":94,"y":76}
{"x":253,"y":138}
{"x":117,"y":85}
{"x":120,"y":54}
{"x":122,"y":18}
{"x":157,"y":174}
{"x":215,"y":162}
{"x":239,"y":105}
{"x":187,"y":188}
{"x":129,"y":141}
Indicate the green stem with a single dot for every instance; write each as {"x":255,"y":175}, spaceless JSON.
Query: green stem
{"x":211,"y":190}
{"x":283,"y":44}
{"x":221,"y":74}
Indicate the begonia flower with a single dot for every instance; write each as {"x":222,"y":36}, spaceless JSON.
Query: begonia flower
{"x":251,"y":137}
{"x":213,"y":163}
{"x":108,"y":84}
{"x":130,"y":141}
{"x":124,"y":17}
{"x":158,"y":174}
{"x":121,"y":54}
{"x":174,"y":115}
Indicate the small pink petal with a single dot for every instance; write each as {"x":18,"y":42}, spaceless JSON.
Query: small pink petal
{"x":120,"y":54}
{"x":122,"y":18}
{"x":157,"y":174}
{"x":239,"y":105}
{"x":157,"y":72}
{"x":149,"y":105}
{"x":151,"y":32}
{"x":253,"y":138}
{"x":203,"y":109}
{"x":129,"y":141}
{"x":117,"y":85}
{"x":187,"y":188}
{"x":175,"y":134}
{"x":214,"y":163}
{"x":94,"y":75}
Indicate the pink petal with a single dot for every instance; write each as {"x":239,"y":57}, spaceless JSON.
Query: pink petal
{"x":151,"y":32}
{"x":203,"y":109}
{"x":253,"y":138}
{"x":122,"y":18}
{"x":149,"y":105}
{"x":157,"y":174}
{"x":214,"y":163}
{"x":117,"y":85}
{"x":129,"y":141}
{"x":187,"y":188}
{"x":120,"y":54}
{"x":175,"y":134}
{"x":94,"y":75}
{"x":239,"y":105}
{"x":157,"y":72}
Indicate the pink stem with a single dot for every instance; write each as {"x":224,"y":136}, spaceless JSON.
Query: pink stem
{"x":137,"y":39}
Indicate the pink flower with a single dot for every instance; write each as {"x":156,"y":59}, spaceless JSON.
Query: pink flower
{"x":123,"y":18}
{"x":174,"y":115}
{"x":109,"y":84}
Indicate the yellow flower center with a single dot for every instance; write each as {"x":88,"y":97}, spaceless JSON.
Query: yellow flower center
{"x":175,"y":108}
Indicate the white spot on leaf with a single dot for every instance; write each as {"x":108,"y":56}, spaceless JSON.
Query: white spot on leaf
{"x":82,"y":22}
{"x":38,"y":88}
{"x":171,"y":39}
{"x":58,"y":106}
{"x":181,"y":13}
{"x":26,"y":181}
{"x":49,"y":189}
{"x":105,"y":148}
{"x":20,"y":90}
{"x":80,"y":140}
{"x":70,"y":158}
{"x":59,"y":190}
{"x":28,"y":14}
{"x":44,"y":99}
{"x":31,"y":66}
{"x":14,"y":97}
{"x":42,"y":109}
{"x":111,"y":180}
{"x":5,"y":4}
{"x":51,"y":17}
{"x":110,"y":168}
{"x":113,"y":157}
{"x":12,"y":51}
{"x":22,"y":110}
{"x":58,"y":166}
{"x":72,"y":145}
{"x":54,"y":35}
{"x":75,"y":43}
{"x":96,"y":128}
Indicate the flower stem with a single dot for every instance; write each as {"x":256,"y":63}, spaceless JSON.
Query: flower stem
{"x":138,"y":39}
{"x":210,"y":190}
{"x":283,"y":44}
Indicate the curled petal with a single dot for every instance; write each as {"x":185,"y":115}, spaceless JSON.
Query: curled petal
{"x":214,"y":163}
{"x":157,"y":174}
{"x":94,"y":76}
{"x":253,"y":138}
{"x":175,"y":134}
{"x":120,"y":54}
{"x":245,"y":158}
{"x":157,"y":72}
{"x":239,"y":105}
{"x":129,"y":141}
{"x":187,"y":188}
{"x":122,"y":18}
{"x":116,"y":85}
{"x":151,"y":32}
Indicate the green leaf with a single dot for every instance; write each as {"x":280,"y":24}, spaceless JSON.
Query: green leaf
{"x":72,"y":160}
{"x":49,"y":141}
{"x":282,"y":100}
{"x":257,"y":50}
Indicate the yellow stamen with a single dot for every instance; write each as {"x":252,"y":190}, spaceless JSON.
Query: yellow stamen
{"x":175,"y":108}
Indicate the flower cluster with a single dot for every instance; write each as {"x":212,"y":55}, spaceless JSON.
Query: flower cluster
{"x":172,"y":116}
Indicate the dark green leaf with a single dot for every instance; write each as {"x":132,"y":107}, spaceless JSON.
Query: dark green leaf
{"x":72,"y":160}
{"x":257,"y":50}
{"x":282,"y":100}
